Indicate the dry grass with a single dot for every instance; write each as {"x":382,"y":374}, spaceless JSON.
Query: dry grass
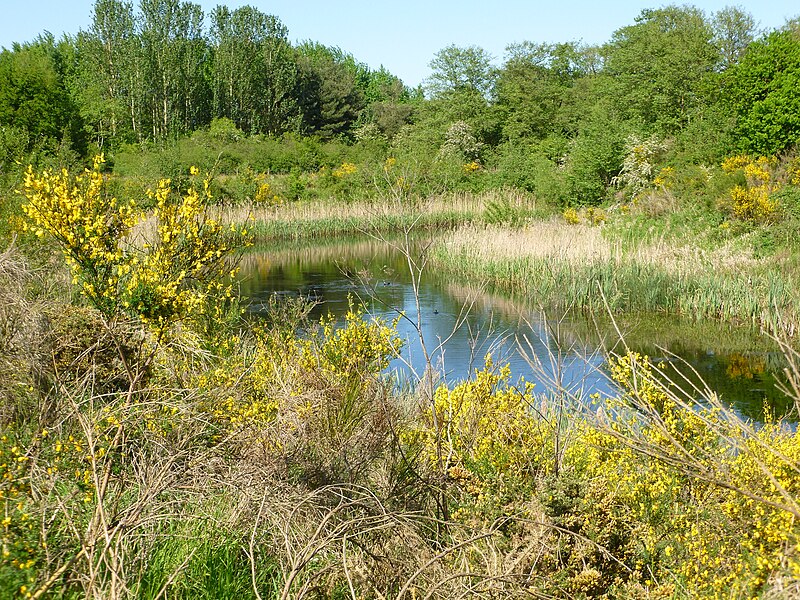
{"x":307,"y":211}
{"x":319,"y":210}
{"x":28,"y":297}
{"x":543,"y":240}
{"x":312,"y":219}
{"x":582,"y":244}
{"x":690,"y":257}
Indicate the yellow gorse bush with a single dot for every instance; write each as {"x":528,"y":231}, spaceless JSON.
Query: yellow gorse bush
{"x":483,"y":434}
{"x":665,"y":178}
{"x":592,"y":215}
{"x":335,"y":361}
{"x":345,"y":169}
{"x":86,"y":224}
{"x":186,"y":263}
{"x":62,"y":464}
{"x":571,"y":216}
{"x":359,"y":347}
{"x":752,"y":202}
{"x":170,"y":278}
{"x":471,"y":167}
{"x":19,"y":528}
{"x":265,"y":196}
{"x":701,"y":496}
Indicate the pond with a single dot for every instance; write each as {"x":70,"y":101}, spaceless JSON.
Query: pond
{"x":461,"y":323}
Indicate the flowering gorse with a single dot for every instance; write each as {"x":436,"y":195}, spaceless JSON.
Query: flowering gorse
{"x":483,"y":435}
{"x":33,"y":471}
{"x":665,"y":178}
{"x":701,"y":496}
{"x":86,"y":224}
{"x":752,"y":201}
{"x":345,"y":169}
{"x":337,"y":361}
{"x":18,"y":529}
{"x":471,"y":167}
{"x":171,"y":277}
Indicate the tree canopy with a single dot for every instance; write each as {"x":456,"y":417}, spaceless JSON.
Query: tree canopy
{"x":158,"y":70}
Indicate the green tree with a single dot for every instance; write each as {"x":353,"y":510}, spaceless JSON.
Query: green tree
{"x":455,"y":69}
{"x":101,"y":79}
{"x":764,"y":93}
{"x":595,"y":155}
{"x":388,"y":102}
{"x":33,"y":95}
{"x":661,"y":67}
{"x":534,"y":86}
{"x":171,"y":34}
{"x":332,"y":98}
{"x":734,"y":31}
{"x":460,"y":85}
{"x":255,"y":74}
{"x":193,"y":104}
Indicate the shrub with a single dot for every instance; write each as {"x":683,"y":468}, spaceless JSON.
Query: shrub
{"x":483,"y":436}
{"x":695,"y":490}
{"x":176,"y":273}
{"x":752,"y":201}
{"x":638,"y":165}
{"x":529,"y":168}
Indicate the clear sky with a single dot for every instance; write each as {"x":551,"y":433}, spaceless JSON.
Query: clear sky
{"x":403,"y":36}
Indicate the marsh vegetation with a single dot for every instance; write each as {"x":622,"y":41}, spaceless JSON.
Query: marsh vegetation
{"x":584,"y":260}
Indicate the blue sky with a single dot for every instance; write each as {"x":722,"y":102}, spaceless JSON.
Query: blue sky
{"x":403,"y":36}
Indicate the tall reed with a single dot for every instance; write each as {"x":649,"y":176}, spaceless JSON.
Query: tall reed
{"x":560,"y":265}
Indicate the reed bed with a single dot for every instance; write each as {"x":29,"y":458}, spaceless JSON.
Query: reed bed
{"x":308,"y":210}
{"x":560,"y":265}
{"x":264,"y":231}
{"x":312,"y":219}
{"x":327,"y":218}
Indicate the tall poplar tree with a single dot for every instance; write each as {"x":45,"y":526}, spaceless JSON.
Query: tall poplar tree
{"x":102,"y":81}
{"x":170,"y":30}
{"x":254,"y":72}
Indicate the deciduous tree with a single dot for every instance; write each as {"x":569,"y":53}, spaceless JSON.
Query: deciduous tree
{"x":661,"y":66}
{"x":764,"y":93}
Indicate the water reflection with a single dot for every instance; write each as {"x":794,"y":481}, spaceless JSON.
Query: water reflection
{"x":461,"y":324}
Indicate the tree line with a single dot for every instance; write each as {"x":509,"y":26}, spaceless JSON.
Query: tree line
{"x":167,"y":69}
{"x":711,"y":84}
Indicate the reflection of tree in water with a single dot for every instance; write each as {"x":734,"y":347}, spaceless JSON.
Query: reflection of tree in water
{"x":740,"y":365}
{"x":746,"y":381}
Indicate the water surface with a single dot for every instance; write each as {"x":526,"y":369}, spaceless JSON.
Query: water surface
{"x":461,"y":323}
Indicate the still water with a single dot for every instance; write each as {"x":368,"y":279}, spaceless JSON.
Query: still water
{"x":461,"y":323}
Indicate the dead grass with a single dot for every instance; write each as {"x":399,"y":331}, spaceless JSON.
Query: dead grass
{"x":544,"y":239}
{"x":584,"y":244}
{"x":305,"y":211}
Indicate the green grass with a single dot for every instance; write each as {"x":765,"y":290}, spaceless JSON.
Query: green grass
{"x":205,"y":566}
